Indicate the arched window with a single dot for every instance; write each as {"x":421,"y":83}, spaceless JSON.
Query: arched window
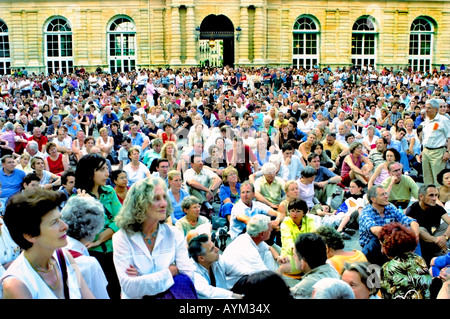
{"x":364,"y":43}
{"x":421,"y":45}
{"x":305,"y":52}
{"x":122,"y":45}
{"x":5,"y":55}
{"x":59,"y":48}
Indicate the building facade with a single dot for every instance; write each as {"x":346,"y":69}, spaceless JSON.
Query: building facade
{"x":53,"y":36}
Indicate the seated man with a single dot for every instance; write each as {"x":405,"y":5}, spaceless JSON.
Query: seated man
{"x":151,"y":154}
{"x":310,"y":255}
{"x":246,"y":208}
{"x":373,"y":217}
{"x":433,"y":221}
{"x":269,"y":189}
{"x":292,"y":164}
{"x":209,"y":275}
{"x":399,"y":187}
{"x":202,"y":183}
{"x":249,"y":253}
{"x":325,"y":182}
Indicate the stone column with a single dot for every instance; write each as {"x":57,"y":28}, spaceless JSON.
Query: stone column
{"x":258,"y":36}
{"x":191,"y":44}
{"x":157,"y":34}
{"x":176,"y":37}
{"x":243,"y":43}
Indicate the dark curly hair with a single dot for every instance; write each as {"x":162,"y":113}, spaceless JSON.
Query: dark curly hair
{"x":331,"y":237}
{"x":397,"y":239}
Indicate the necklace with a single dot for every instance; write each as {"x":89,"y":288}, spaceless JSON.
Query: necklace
{"x":51,"y":267}
{"x":151,"y":237}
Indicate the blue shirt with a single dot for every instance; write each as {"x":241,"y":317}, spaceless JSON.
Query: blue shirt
{"x":11,"y":184}
{"x":323,"y":174}
{"x":370,"y":217}
{"x":108,"y":120}
{"x":236,"y":226}
{"x":177,"y":210}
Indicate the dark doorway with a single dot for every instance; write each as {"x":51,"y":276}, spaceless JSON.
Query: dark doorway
{"x":220,"y":27}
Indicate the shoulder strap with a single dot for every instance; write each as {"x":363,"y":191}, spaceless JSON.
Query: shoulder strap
{"x":62,"y":264}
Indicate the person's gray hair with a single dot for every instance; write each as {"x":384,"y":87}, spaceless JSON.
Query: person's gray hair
{"x":257,"y":224}
{"x":188,"y":201}
{"x":372,"y":192}
{"x":332,"y":288}
{"x":9,"y":126}
{"x":33,"y":145}
{"x":434,"y":103}
{"x":424,"y":189}
{"x":308,"y":171}
{"x":269,"y":168}
{"x":276,"y":159}
{"x":84,"y":216}
{"x":139,"y":197}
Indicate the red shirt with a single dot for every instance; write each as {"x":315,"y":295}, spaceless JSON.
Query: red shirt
{"x":41,"y":141}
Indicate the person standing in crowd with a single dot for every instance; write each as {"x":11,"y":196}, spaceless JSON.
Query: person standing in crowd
{"x":436,"y":142}
{"x":91,"y":176}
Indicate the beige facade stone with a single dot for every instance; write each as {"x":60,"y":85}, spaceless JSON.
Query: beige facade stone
{"x":165,"y":30}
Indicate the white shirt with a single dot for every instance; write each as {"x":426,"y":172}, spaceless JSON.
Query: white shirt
{"x":436,"y":132}
{"x":202,"y":281}
{"x":243,"y":257}
{"x":154,"y":274}
{"x":90,"y":269}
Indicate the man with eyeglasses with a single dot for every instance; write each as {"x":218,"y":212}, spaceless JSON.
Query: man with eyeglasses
{"x":400,"y":188}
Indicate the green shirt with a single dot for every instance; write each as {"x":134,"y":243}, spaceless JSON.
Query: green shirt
{"x":403,"y":190}
{"x":112,"y":205}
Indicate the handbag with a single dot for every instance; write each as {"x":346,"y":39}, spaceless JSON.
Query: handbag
{"x":62,"y":264}
{"x":183,"y":288}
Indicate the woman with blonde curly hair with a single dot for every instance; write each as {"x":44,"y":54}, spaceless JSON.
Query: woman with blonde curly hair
{"x":169,"y":151}
{"x":145,"y":242}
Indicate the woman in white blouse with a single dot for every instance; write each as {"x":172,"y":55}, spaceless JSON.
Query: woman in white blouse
{"x":145,"y":242}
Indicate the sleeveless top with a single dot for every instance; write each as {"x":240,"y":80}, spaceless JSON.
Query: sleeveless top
{"x":380,"y":178}
{"x":22,"y":270}
{"x":56,"y":167}
{"x":346,"y":169}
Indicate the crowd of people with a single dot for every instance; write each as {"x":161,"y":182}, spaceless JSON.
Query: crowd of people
{"x":219,"y":183}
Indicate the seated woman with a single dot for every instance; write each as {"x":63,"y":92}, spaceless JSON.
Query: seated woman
{"x":24,"y":163}
{"x":305,"y":147}
{"x":56,"y":162}
{"x":105,"y":142}
{"x":191,"y":207}
{"x":352,"y":166}
{"x":262,"y":153}
{"x":306,"y":186}
{"x":358,"y":275}
{"x":43,"y":270}
{"x":84,"y":218}
{"x":135,"y":169}
{"x":120,"y":180}
{"x":216,"y":163}
{"x":336,"y":254}
{"x":381,"y":172}
{"x":229,"y":192}
{"x":443,"y":178}
{"x":297,"y":222}
{"x":145,"y":241}
{"x":176,"y":194}
{"x":406,"y":275}
{"x":325,"y":160}
{"x":48,"y":179}
{"x":169,"y":151}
